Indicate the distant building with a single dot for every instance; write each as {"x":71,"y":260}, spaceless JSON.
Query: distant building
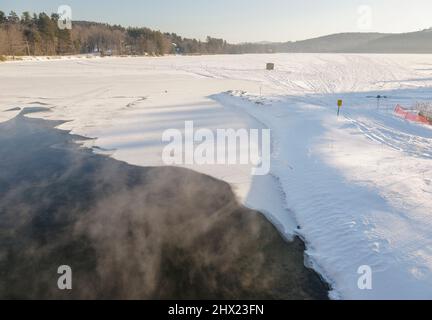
{"x":270,"y":66}
{"x":106,"y":53}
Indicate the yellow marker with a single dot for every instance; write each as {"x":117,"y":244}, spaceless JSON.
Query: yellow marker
{"x":340,"y":103}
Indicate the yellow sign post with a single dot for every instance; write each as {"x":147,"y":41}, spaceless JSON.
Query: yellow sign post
{"x":340,"y":103}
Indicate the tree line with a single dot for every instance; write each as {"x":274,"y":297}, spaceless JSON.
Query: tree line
{"x":39,"y":34}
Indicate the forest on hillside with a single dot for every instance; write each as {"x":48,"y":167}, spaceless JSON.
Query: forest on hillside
{"x":39,"y":34}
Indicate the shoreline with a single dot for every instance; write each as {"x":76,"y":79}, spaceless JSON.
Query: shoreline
{"x":106,"y":217}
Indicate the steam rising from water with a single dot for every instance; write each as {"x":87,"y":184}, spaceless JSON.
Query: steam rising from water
{"x":130,"y":232}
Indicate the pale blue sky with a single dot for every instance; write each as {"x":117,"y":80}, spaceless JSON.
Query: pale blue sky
{"x":244,"y":20}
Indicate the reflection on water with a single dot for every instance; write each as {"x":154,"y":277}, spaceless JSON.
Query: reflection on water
{"x":130,"y":232}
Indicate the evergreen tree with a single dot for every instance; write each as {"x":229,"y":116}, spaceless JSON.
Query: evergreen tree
{"x":3,"y":18}
{"x":13,"y":17}
{"x":26,"y":18}
{"x":47,"y":29}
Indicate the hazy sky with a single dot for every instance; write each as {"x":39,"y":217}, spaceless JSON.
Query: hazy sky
{"x":246,"y":20}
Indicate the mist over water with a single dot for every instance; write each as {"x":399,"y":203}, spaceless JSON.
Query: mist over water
{"x":130,"y":232}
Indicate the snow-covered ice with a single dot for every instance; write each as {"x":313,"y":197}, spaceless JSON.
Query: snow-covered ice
{"x":359,"y":186}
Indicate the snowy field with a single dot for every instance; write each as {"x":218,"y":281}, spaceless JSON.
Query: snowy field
{"x":359,"y":186}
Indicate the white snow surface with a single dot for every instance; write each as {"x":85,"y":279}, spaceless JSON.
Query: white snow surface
{"x":358,"y":186}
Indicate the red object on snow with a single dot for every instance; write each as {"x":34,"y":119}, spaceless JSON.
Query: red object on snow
{"x":401,"y":111}
{"x":411,"y":116}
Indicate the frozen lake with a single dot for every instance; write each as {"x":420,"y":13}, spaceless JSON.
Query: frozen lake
{"x":358,"y":186}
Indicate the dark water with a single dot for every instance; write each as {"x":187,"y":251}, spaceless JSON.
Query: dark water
{"x":130,"y":232}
